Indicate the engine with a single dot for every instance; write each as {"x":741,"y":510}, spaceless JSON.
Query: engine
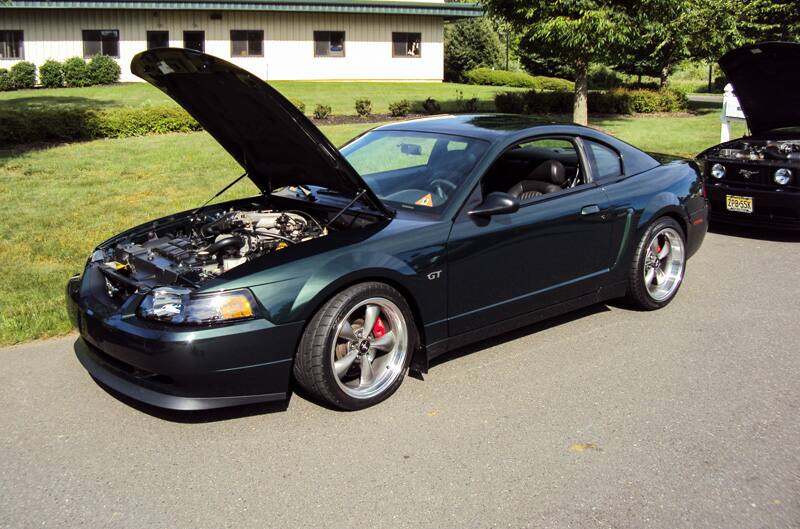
{"x":203,"y":249}
{"x":755,"y":150}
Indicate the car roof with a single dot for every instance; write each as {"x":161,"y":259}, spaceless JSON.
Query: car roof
{"x":500,"y":128}
{"x":488,"y":127}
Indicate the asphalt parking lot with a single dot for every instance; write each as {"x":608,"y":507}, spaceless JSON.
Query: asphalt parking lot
{"x":609,"y":418}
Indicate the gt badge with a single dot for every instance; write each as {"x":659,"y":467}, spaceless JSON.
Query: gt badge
{"x":434,"y":275}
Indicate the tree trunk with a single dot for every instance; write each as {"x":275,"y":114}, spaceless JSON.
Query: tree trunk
{"x":580,"y":110}
{"x":664,"y":77}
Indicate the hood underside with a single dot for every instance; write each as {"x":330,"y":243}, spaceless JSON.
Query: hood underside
{"x":274,"y":142}
{"x":766,"y":79}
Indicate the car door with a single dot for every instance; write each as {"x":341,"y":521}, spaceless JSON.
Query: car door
{"x":554,"y":248}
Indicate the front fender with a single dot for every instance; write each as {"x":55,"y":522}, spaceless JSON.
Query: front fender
{"x":411,"y":261}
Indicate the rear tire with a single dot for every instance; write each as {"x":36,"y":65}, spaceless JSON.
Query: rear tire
{"x":356,"y":349}
{"x":658,"y":266}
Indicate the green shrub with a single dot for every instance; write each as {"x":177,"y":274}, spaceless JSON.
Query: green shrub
{"x":102,"y":69}
{"x":602,"y":78}
{"x":46,"y":124}
{"x":487,"y":76}
{"x":73,"y":123}
{"x":431,"y":106}
{"x":400,"y":108}
{"x":322,"y":111}
{"x":554,"y":84}
{"x":76,"y":73}
{"x":363,"y":107}
{"x":627,"y":101}
{"x":142,"y":121}
{"x":298,"y":104}
{"x":510,"y":102}
{"x":51,"y":74}
{"x":5,"y":80}
{"x":548,"y":102}
{"x":616,"y":101}
{"x":465,"y":105}
{"x":23,"y":75}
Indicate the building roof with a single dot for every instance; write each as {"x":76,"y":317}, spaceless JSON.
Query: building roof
{"x":447,"y":10}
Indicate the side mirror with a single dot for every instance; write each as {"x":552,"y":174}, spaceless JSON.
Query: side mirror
{"x":496,"y":204}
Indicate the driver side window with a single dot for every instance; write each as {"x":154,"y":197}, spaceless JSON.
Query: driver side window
{"x":536,"y":167}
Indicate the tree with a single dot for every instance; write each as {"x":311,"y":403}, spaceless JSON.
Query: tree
{"x":772,"y":20}
{"x":578,"y":32}
{"x":470,"y":44}
{"x":670,"y":31}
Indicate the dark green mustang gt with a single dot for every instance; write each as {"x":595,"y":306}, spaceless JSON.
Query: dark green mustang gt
{"x":354,"y":265}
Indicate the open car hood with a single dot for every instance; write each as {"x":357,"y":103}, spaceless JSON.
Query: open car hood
{"x":766,"y":79}
{"x":274,"y":142}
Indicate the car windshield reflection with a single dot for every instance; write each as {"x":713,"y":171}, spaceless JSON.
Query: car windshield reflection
{"x":414,"y":170}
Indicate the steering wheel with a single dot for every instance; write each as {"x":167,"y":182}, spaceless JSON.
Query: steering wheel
{"x":437,"y":184}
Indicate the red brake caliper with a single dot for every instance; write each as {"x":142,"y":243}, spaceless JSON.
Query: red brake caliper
{"x":379,"y":329}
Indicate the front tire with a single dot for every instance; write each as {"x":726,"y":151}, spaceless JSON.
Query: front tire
{"x":355,"y":351}
{"x":658,"y":266}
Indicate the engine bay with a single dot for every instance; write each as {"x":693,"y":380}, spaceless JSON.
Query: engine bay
{"x":757,"y":150}
{"x":202,"y":247}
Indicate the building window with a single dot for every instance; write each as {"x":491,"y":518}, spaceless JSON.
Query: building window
{"x":157,"y":39}
{"x":247,"y":43}
{"x":329,"y":43}
{"x":11,"y":44}
{"x":194,"y":40}
{"x":100,"y":42}
{"x":406,"y":45}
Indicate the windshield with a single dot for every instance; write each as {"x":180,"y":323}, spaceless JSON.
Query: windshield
{"x":414,"y":170}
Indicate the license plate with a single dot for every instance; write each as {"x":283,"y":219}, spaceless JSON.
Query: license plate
{"x":739,"y":204}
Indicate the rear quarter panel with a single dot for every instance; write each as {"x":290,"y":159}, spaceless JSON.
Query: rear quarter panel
{"x":674,"y":189}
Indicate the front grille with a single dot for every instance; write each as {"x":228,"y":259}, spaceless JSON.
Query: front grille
{"x":751,"y":174}
{"x":758,"y":174}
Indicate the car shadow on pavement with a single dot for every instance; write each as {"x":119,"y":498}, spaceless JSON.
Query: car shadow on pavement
{"x":519,"y":333}
{"x":761,"y":234}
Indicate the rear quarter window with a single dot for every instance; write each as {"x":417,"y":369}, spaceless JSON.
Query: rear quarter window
{"x":606,"y":162}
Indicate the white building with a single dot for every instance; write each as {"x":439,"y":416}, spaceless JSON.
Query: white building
{"x":388,"y":40}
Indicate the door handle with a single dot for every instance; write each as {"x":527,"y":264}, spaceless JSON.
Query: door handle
{"x":590,"y":210}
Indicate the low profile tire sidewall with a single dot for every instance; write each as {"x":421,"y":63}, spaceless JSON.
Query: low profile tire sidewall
{"x":638,"y":292}
{"x":330,"y":391}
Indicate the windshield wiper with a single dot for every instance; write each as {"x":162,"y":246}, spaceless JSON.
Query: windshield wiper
{"x":198,"y":210}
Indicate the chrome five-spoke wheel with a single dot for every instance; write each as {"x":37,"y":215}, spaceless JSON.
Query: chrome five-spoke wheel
{"x":664,"y":263}
{"x":370,"y":348}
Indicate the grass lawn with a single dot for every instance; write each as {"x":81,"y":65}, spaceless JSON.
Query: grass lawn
{"x":340,"y":96}
{"x":60,"y":202}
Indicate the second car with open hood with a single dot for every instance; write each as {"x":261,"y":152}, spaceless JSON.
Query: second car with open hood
{"x":353,"y":265}
{"x":754,"y":180}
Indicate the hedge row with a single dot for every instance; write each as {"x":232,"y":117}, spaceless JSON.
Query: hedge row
{"x":69,"y":123}
{"x":487,"y":76}
{"x":617,"y":101}
{"x":53,"y":74}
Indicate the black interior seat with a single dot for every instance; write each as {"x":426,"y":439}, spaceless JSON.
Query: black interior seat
{"x":548,"y":177}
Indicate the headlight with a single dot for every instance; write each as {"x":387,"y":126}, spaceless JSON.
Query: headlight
{"x":179,"y":306}
{"x":718,"y":170}
{"x":782,"y":176}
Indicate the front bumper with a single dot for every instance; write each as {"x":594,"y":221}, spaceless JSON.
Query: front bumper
{"x":180,"y":368}
{"x":771,"y":208}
